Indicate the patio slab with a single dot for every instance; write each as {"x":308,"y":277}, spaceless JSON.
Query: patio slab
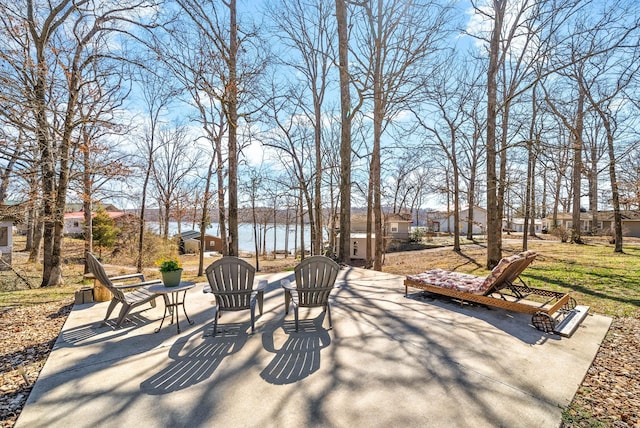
{"x":388,"y":361}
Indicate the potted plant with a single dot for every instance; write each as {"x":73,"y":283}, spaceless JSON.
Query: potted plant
{"x":171,"y":270}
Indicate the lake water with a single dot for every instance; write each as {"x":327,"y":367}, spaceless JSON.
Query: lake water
{"x":245,"y":235}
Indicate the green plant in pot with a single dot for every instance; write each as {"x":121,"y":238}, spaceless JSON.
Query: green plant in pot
{"x":171,"y":270}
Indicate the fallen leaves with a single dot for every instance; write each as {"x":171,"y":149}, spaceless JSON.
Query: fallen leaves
{"x":27,"y":335}
{"x":610,"y":391}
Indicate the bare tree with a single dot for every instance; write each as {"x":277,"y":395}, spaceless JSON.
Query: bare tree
{"x":612,"y":73}
{"x":200,"y":78}
{"x":172,"y":163}
{"x":290,"y":135}
{"x":157,"y":93}
{"x":574,"y":122}
{"x":101,"y":164}
{"x":238,"y":59}
{"x":448,"y":98}
{"x":62,"y":42}
{"x":309,"y":31}
{"x":585,"y":56}
{"x":345,"y":135}
{"x":521,"y":35}
{"x":396,"y":42}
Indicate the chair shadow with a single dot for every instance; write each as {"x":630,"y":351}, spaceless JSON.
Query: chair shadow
{"x":299,"y":356}
{"x":518,"y":327}
{"x":196,"y":364}
{"x":95,"y":332}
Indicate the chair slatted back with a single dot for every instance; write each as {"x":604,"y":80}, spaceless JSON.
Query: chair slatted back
{"x":231,"y":281}
{"x":315,"y":278}
{"x":96,"y":268}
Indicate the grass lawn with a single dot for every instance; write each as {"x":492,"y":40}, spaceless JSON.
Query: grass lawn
{"x":595,"y":276}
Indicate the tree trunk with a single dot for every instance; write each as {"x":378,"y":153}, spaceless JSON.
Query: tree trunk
{"x":38,"y":232}
{"x":369,"y":251}
{"x":494,"y":216}
{"x":577,"y":170}
{"x":143,"y":202}
{"x":232,"y":105}
{"x":167,"y":209}
{"x":256,"y":238}
{"x":456,"y":191}
{"x":378,"y":117}
{"x":345,"y":136}
{"x":317,"y":209}
{"x":204,"y":219}
{"x":302,"y":241}
{"x":87,"y":205}
{"x":593,"y":188}
{"x":615,"y":193}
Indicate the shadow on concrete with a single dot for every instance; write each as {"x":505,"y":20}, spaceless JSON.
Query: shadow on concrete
{"x":299,"y":357}
{"x":192,"y":365}
{"x":101,"y":331}
{"x":515,"y":324}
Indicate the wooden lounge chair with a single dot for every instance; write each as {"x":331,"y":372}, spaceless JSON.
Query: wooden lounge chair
{"x":315,"y":279}
{"x":129,"y":300}
{"x":499,"y":289}
{"x":231,"y":280}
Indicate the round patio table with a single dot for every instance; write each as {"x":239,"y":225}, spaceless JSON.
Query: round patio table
{"x":172,"y":301}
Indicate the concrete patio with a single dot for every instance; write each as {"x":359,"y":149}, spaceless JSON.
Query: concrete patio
{"x":389,"y":361}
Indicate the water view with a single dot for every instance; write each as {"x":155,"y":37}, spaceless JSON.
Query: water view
{"x":245,"y":234}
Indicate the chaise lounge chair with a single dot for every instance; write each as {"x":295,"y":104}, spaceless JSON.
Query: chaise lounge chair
{"x":130,"y":299}
{"x":550,"y":311}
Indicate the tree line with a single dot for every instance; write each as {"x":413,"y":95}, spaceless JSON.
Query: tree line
{"x":315,"y":106}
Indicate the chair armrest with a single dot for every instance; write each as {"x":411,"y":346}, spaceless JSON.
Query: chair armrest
{"x":262,"y":285}
{"x":138,"y":284}
{"x":207,"y":288}
{"x":287,"y":285}
{"x":314,"y":289}
{"x":139,"y":276}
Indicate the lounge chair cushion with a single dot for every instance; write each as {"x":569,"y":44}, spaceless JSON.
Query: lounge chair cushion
{"x":465,"y":282}
{"x":451,"y":280}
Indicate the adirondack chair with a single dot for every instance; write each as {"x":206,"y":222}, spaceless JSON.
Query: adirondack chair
{"x":231,"y":280}
{"x":315,"y":279}
{"x":130,"y":299}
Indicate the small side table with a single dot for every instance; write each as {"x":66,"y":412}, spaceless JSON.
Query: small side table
{"x":172,"y":301}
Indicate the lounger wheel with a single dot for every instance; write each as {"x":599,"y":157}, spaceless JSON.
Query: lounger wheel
{"x":543,"y":322}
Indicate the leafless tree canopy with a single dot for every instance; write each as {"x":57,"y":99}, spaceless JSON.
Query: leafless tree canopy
{"x":309,"y":111}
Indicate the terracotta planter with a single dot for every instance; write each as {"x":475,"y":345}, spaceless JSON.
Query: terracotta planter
{"x":172,"y":278}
